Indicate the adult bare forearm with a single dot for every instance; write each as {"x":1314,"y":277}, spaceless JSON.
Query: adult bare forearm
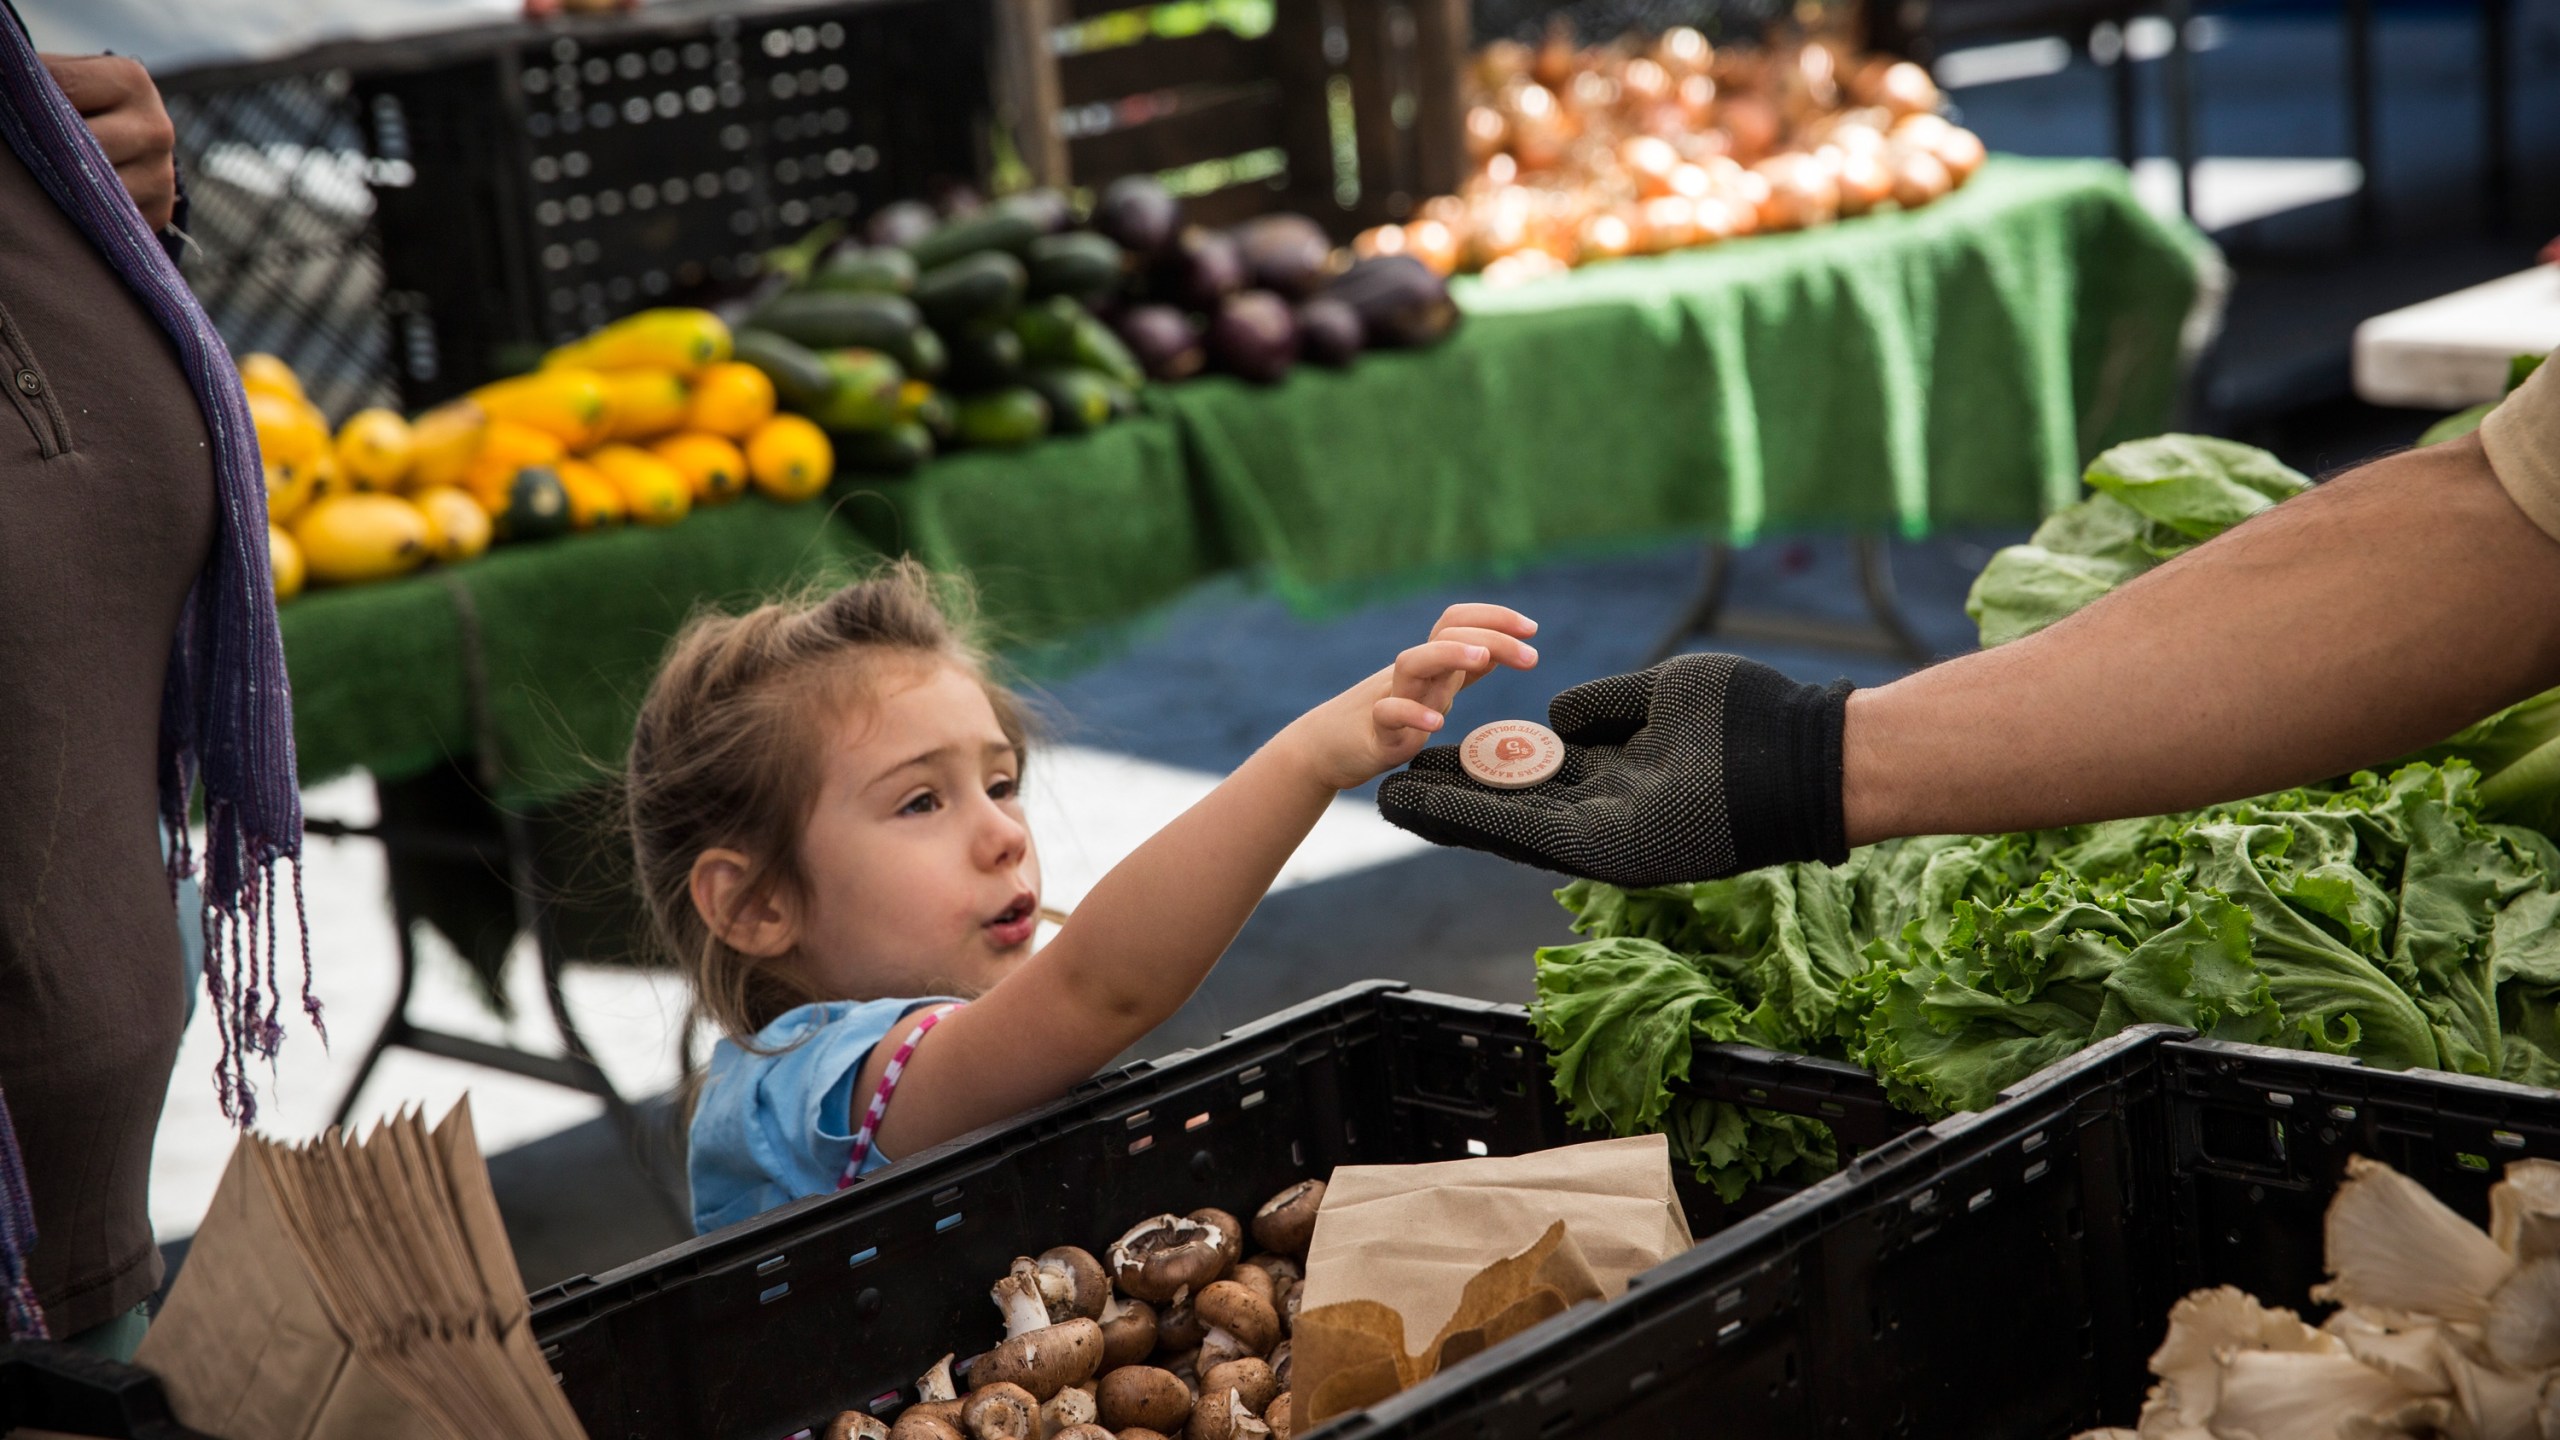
{"x":2374,"y":615}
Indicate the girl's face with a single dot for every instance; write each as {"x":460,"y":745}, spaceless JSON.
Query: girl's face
{"x":921,"y":877}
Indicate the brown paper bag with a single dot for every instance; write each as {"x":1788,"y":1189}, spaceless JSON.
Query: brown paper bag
{"x":1469,"y":1252}
{"x":341,"y":1290}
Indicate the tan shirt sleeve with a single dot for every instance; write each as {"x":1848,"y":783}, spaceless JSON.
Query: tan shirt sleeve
{"x":2522,"y":438}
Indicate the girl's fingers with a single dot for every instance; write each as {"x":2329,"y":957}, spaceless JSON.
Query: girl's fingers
{"x":1500,"y":618}
{"x":1505,"y":649}
{"x":1396,"y":712}
{"x":1433,"y":659}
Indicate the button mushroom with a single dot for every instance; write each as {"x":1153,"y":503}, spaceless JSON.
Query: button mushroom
{"x":1226,"y":1225}
{"x":1280,"y":1364}
{"x":1287,"y":1221}
{"x":1258,"y":1280}
{"x":1128,"y":1332}
{"x":1001,"y":1411}
{"x":856,"y":1425}
{"x":1141,"y":1432}
{"x":1072,"y":1283}
{"x":1038,"y":1356}
{"x":1169,"y":1256}
{"x":1279,"y":1417}
{"x":914,"y":1424}
{"x":1223,"y":1416}
{"x":1240,"y":1323}
{"x":1145,"y":1397}
{"x":1250,"y":1378}
{"x":936,"y":1384}
{"x":1179,"y":1327}
{"x":1083,"y":1432}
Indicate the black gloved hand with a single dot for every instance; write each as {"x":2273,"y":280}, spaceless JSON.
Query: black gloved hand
{"x":1701,"y":767}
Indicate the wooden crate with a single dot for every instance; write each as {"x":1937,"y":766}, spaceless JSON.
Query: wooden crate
{"x":1347,"y":110}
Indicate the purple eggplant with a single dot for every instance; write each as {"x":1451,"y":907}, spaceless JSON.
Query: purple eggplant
{"x":1286,"y":253}
{"x":1254,"y":336}
{"x":1399,"y":301}
{"x":1329,"y":331}
{"x":1165,"y":341}
{"x":1139,"y":213}
{"x":1204,"y":268}
{"x":956,"y":199}
{"x":899,"y":226}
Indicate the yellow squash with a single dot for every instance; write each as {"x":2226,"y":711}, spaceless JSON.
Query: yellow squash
{"x":570,"y":405}
{"x":730,"y":399}
{"x":262,"y":372}
{"x":714,"y":468}
{"x":443,"y":443}
{"x":462,"y":525}
{"x":284,"y":562}
{"x":678,"y":339}
{"x":288,"y":490}
{"x":789,"y":458}
{"x":289,"y":430}
{"x":375,"y":449}
{"x":594,"y":500}
{"x":347,"y":539}
{"x":644,"y":404}
{"x":654,"y":490}
{"x":505,"y":448}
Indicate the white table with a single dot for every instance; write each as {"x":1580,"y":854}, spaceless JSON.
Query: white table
{"x":2452,"y":351}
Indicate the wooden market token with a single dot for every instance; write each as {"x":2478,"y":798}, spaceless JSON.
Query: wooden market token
{"x":1511,"y":754}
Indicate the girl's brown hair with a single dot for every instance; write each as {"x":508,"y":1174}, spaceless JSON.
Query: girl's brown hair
{"x":725,"y":755}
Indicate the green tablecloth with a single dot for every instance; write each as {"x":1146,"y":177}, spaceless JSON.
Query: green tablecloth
{"x":1950,"y":366}
{"x":1954,"y":365}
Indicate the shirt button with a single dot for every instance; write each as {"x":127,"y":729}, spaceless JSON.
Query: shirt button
{"x":29,"y":382}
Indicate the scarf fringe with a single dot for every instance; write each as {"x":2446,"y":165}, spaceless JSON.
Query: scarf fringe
{"x":25,"y":1318}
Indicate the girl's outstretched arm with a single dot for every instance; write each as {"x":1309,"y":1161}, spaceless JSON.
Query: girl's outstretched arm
{"x":1148,"y":934}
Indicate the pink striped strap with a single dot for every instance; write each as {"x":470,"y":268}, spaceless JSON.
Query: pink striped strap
{"x":888,"y":1087}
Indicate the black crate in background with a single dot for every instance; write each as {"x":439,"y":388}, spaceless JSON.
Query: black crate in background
{"x":839,"y":1302}
{"x":1597,"y":22}
{"x":403,"y":219}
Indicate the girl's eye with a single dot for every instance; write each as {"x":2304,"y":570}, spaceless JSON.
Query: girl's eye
{"x":925,"y":803}
{"x":1004,"y":789}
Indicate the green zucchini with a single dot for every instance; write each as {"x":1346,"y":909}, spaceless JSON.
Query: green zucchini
{"x":800,"y":375}
{"x":858,"y":268}
{"x":836,"y":319}
{"x":898,"y":450}
{"x":975,"y":293}
{"x":925,"y":356}
{"x":1077,"y":263}
{"x":987,"y":361}
{"x":1048,"y":330}
{"x":1003,"y":419}
{"x":866,"y":393}
{"x":1097,"y":348}
{"x":994,"y":228}
{"x":1079,"y":400}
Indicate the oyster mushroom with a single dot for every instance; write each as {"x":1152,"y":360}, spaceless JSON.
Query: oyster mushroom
{"x":1128,"y":1332}
{"x":2393,"y":1246}
{"x":2523,"y":1331}
{"x":1167,"y":1257}
{"x":1287,"y":1221}
{"x":1249,"y":1378}
{"x":1069,"y":1408}
{"x":2524,"y":1210}
{"x":1145,"y":1397}
{"x":1179,"y":1327}
{"x":1072,"y":1283}
{"x":856,"y":1425}
{"x":1036,"y":1355}
{"x":1001,"y":1411}
{"x":1223,"y":1416}
{"x":1240,"y":1323}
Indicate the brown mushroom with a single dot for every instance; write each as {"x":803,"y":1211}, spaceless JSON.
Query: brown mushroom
{"x":1128,"y":1332}
{"x":1280,"y":1267}
{"x":1168,"y":1257}
{"x":1219,"y":1347}
{"x":1249,"y":1378}
{"x":1083,"y":1432}
{"x":1227,"y":1225}
{"x":1258,"y":1280}
{"x":920,"y":1422}
{"x":1038,"y":1356}
{"x":1246,"y":1321}
{"x":1280,"y":1364}
{"x":1141,"y":1432}
{"x":1072,"y":1283}
{"x":1068,"y":1408}
{"x":1279,"y":1417}
{"x":1290,"y":1290}
{"x":1223,"y":1416}
{"x":1287,"y":1221}
{"x":1001,"y":1412}
{"x":1143,"y":1396}
{"x":1185,"y":1366}
{"x":856,"y":1425}
{"x":935,"y":1384}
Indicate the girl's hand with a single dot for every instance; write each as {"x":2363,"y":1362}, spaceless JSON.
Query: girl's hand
{"x":1385,"y":720}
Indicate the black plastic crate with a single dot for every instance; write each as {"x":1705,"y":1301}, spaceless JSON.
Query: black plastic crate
{"x":2005,"y":1274}
{"x":840,"y":1301}
{"x":403,"y":219}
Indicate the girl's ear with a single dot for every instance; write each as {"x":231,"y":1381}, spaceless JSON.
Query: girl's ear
{"x":764,"y":925}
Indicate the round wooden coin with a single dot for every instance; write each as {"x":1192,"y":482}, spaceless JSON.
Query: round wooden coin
{"x":1511,"y":754}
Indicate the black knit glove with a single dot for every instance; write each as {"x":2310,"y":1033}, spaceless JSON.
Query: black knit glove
{"x":1701,"y":767}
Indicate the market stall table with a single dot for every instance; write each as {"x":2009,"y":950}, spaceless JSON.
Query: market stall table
{"x":2453,"y":351}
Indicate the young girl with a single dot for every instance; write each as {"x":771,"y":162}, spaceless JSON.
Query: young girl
{"x":826,"y":813}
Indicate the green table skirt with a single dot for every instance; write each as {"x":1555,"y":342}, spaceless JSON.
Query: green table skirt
{"x":1953,"y":366}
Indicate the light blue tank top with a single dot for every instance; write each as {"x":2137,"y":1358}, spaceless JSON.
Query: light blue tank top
{"x":776,"y":1127}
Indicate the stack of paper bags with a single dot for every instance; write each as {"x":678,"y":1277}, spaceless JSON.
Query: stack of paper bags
{"x":1470,"y":1253}
{"x":341,"y":1290}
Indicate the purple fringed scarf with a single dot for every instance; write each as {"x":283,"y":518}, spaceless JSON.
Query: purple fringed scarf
{"x":226,"y":715}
